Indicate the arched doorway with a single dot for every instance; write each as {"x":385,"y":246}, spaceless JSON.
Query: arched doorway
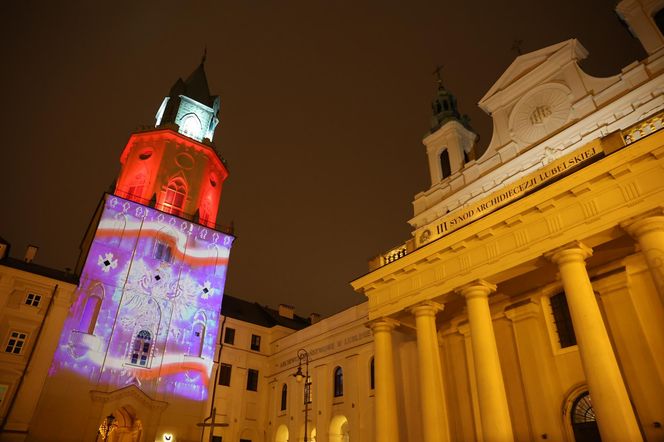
{"x":125,"y":426}
{"x":582,"y":416}
{"x":339,"y":431}
{"x":282,"y":434}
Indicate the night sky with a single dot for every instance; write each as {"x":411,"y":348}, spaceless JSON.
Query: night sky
{"x":323,"y":108}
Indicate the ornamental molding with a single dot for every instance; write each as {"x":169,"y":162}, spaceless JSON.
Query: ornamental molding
{"x":128,"y":392}
{"x":540,"y":112}
{"x":389,"y":289}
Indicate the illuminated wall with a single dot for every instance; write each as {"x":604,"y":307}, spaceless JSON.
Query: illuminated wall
{"x":148,"y":303}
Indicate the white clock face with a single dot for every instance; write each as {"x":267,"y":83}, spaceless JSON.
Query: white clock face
{"x":540,"y":113}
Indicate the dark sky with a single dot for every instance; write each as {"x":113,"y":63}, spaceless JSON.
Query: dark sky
{"x":324,"y":106}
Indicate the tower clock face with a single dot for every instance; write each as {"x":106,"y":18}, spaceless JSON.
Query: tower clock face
{"x":540,"y":113}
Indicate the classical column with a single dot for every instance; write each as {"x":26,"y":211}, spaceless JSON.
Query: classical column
{"x":494,"y":411}
{"x":649,"y":232}
{"x":615,"y":416}
{"x":435,"y":427}
{"x":387,"y":421}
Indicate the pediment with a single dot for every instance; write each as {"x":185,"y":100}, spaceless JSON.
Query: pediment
{"x":130,"y":393}
{"x":525,"y":68}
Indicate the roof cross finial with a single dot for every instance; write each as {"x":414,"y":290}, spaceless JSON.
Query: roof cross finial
{"x":437,"y":73}
{"x":204,"y":54}
{"x":516,"y":46}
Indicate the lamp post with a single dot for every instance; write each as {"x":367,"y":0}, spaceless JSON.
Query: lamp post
{"x":107,"y":426}
{"x":303,"y":355}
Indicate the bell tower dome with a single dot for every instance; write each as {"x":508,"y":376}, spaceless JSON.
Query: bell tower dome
{"x":450,"y":144}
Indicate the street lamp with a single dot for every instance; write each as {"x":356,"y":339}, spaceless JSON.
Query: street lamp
{"x":107,"y":426}
{"x":299,"y":376}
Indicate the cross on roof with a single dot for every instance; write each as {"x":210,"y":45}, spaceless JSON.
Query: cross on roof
{"x":437,"y":73}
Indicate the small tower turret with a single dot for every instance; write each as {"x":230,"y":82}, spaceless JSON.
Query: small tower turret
{"x":450,"y":143}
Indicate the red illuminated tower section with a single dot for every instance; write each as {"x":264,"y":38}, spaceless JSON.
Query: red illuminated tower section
{"x":174,"y":167}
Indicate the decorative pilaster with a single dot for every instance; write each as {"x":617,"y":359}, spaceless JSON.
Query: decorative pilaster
{"x":494,"y":411}
{"x":615,"y":416}
{"x":649,"y":232}
{"x":387,"y":421}
{"x":434,"y":411}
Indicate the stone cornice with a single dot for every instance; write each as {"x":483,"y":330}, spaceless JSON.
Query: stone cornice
{"x":619,"y":187}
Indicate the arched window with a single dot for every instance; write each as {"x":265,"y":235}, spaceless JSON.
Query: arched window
{"x":176,"y":193}
{"x":135,"y":191}
{"x":190,"y":125}
{"x":372,"y":376}
{"x":284,"y":397}
{"x":141,"y":349}
{"x":197,"y":338}
{"x":90,"y":314}
{"x":584,"y":423}
{"x":198,"y":335}
{"x":445,"y":167}
{"x":338,"y":382}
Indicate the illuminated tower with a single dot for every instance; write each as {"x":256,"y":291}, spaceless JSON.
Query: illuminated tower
{"x":140,"y":338}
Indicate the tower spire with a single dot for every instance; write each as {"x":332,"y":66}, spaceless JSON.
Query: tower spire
{"x":204,"y":55}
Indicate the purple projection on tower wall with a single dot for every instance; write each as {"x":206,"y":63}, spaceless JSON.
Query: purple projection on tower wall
{"x":147,"y":307}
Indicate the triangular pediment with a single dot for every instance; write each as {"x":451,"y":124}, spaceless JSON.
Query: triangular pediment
{"x":529,"y":63}
{"x":130,"y":393}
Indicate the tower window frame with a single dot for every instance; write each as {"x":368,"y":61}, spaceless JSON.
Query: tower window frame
{"x":284,"y":398}
{"x":141,"y":348}
{"x":175,"y":196}
{"x":445,"y":164}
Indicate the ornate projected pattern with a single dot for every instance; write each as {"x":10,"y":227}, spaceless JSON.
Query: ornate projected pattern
{"x":148,"y":303}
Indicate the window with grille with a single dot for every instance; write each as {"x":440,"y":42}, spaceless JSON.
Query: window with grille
{"x":16,"y":342}
{"x":563,"y":320}
{"x":252,"y":380}
{"x":141,"y":349}
{"x":33,"y":300}
{"x":225,"y":374}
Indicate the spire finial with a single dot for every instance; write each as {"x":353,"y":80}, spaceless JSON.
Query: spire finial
{"x":437,"y":73}
{"x":204,"y":54}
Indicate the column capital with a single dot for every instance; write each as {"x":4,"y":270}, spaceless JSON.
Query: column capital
{"x":525,"y":310}
{"x":642,"y":225}
{"x":426,"y":308}
{"x":382,"y":325}
{"x":573,"y":252}
{"x":475,"y":289}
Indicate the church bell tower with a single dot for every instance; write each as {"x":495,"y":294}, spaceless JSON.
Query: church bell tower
{"x":140,"y":338}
